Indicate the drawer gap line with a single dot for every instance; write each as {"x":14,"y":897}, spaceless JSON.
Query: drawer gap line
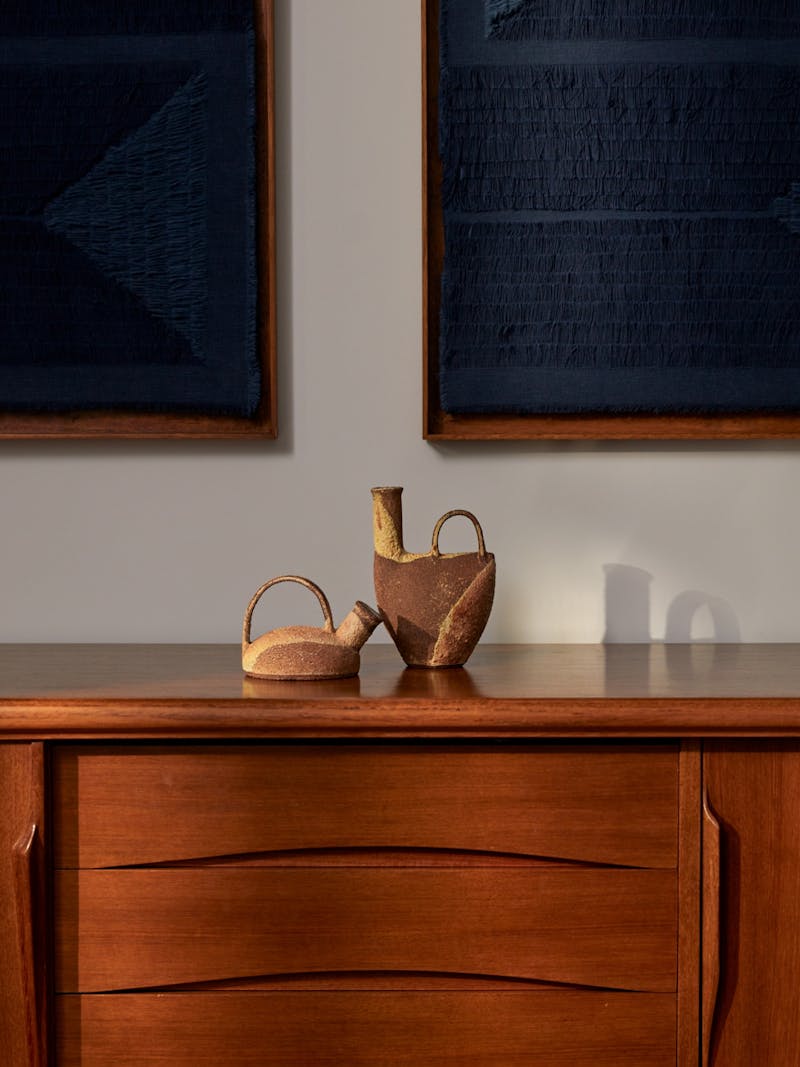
{"x":444,"y":980}
{"x":350,"y":856}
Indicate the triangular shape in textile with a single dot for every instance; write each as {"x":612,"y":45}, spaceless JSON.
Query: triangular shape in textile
{"x":498,"y":10}
{"x":140,"y":213}
{"x":787,"y":208}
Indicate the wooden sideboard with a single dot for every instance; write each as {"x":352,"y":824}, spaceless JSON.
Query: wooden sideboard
{"x":561,"y":854}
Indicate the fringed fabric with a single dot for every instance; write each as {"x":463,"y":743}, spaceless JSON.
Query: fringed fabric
{"x":128,"y":221}
{"x":620,"y":235}
{"x":623,"y":137}
{"x":621,"y":293}
{"x":529,"y":20}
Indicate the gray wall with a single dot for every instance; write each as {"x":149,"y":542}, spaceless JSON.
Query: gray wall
{"x":166,"y":542}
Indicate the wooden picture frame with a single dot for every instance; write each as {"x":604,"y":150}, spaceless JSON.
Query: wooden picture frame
{"x":439,"y":425}
{"x":116,"y":423}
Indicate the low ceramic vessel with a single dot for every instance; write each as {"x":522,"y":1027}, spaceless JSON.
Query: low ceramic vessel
{"x":294,"y":653}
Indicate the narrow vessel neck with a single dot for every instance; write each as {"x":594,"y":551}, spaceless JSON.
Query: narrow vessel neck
{"x":387,"y":521}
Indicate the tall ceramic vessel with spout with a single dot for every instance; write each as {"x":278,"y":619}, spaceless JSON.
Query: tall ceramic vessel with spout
{"x":434,"y":604}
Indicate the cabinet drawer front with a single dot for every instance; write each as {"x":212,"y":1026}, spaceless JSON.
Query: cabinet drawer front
{"x":559,"y":1029}
{"x":153,"y":928}
{"x":140,"y":805}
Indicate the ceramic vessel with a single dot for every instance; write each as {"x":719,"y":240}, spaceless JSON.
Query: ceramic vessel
{"x":307,"y":652}
{"x":435,"y":605}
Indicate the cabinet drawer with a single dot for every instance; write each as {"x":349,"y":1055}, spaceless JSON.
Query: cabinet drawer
{"x":512,"y":1029}
{"x":144,"y":804}
{"x":612,"y":929}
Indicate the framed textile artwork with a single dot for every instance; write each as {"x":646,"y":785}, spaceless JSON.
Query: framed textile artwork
{"x":612,"y":219}
{"x":137,"y":219}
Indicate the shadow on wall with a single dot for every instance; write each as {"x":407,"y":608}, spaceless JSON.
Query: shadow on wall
{"x":627,"y":607}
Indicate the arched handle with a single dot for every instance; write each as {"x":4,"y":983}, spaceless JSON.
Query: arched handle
{"x":323,"y":602}
{"x":449,"y":515}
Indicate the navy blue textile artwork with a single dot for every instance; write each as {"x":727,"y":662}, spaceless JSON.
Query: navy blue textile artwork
{"x":127,"y":207}
{"x":621,"y":206}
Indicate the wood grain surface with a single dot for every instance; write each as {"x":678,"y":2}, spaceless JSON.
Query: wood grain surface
{"x":313,"y":904}
{"x":23,"y":916}
{"x":152,"y":691}
{"x":754,"y":793}
{"x":689,"y":903}
{"x":141,"y":928}
{"x":509,"y":1029}
{"x":415,"y":804}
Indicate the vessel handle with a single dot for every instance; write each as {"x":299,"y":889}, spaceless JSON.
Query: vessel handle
{"x":449,"y":515}
{"x":323,"y":602}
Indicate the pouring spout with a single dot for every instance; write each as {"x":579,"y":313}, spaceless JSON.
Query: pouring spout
{"x":355,"y":628}
{"x":387,"y":521}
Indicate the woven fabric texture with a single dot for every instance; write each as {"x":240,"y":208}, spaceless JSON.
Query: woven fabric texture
{"x":127,"y":207}
{"x":515,"y":20}
{"x":621,"y":207}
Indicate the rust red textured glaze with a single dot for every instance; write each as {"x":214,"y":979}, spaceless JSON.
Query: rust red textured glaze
{"x":434,"y":605}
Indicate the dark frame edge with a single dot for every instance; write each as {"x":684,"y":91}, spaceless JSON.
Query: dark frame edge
{"x":432,"y":223}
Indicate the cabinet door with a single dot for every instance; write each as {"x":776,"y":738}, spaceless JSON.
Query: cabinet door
{"x":22,"y":917}
{"x":753,"y":791}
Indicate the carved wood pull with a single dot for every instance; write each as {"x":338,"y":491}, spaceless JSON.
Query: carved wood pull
{"x":711,"y":926}
{"x":24,"y":891}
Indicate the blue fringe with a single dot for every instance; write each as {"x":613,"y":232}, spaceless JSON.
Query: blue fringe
{"x":669,"y":283}
{"x":523,"y":20}
{"x":620,"y":293}
{"x":623,"y":137}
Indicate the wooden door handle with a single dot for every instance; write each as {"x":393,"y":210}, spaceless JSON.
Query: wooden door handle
{"x":29,"y":937}
{"x":710,"y":958}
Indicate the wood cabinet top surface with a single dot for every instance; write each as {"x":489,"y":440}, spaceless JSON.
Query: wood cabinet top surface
{"x":108,"y":691}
